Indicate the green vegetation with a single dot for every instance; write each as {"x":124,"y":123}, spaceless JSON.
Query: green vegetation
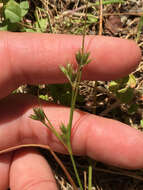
{"x":119,"y":99}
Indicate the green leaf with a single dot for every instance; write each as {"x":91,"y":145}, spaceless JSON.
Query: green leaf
{"x":140,"y":27}
{"x":4,"y":28}
{"x":12,"y":11}
{"x":64,"y":134}
{"x":119,"y":85}
{"x":92,"y":18}
{"x":113,"y":86}
{"x":123,"y":81}
{"x":141,"y":122}
{"x":41,"y":25}
{"x":68,"y":72}
{"x":125,"y":95}
{"x":7,"y":26}
{"x":82,"y":58}
{"x":132,"y":81}
{"x":44,"y":97}
{"x":29,"y":30}
{"x":64,"y":97}
{"x":63,"y":129}
{"x":133,"y":109}
{"x":24,"y":5}
{"x":122,"y":90}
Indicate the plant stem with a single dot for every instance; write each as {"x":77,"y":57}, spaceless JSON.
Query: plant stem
{"x":54,"y":131}
{"x":90,"y":177}
{"x":75,"y":88}
{"x":73,"y":102}
{"x":75,"y":170}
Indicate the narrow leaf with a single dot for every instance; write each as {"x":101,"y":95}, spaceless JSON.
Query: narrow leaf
{"x":38,"y":115}
{"x":68,"y":72}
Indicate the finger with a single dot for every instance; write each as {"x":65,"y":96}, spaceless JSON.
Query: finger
{"x":5,"y":161}
{"x":30,"y":171}
{"x":35,"y":58}
{"x":102,"y":139}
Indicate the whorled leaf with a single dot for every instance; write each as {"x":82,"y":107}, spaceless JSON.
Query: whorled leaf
{"x":38,"y":115}
{"x":64,"y":133}
{"x":69,"y":72}
{"x":82,"y":58}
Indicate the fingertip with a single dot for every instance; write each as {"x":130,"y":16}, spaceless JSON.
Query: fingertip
{"x":29,"y":170}
{"x":110,"y":142}
{"x":111,"y":58}
{"x":133,"y":54}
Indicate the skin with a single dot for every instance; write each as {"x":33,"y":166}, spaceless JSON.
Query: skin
{"x":35,"y":58}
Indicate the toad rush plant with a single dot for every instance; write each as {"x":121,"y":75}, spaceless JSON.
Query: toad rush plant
{"x":74,"y":78}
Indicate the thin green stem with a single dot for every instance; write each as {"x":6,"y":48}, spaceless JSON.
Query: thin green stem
{"x":74,"y":79}
{"x":77,"y":80}
{"x":75,"y":88}
{"x":51,"y":128}
{"x":108,"y":2}
{"x":73,"y":101}
{"x":84,"y":30}
{"x":90,"y":177}
{"x":76,"y":172}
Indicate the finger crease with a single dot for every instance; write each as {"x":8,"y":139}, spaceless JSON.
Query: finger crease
{"x":31,"y":183}
{"x":76,"y":127}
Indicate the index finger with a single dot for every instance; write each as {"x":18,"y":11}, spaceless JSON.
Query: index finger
{"x":35,"y":58}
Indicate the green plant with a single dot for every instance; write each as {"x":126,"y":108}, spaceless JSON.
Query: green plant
{"x":64,"y":97}
{"x":37,"y":19}
{"x":123,"y":88}
{"x":13,"y":13}
{"x":13,"y":17}
{"x":140,"y":27}
{"x":124,"y":91}
{"x":74,"y":78}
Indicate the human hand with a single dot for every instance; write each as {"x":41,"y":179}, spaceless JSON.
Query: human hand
{"x":28,"y":58}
